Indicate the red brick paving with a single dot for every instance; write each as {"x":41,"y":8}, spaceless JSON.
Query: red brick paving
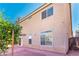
{"x":23,"y":51}
{"x":73,"y":53}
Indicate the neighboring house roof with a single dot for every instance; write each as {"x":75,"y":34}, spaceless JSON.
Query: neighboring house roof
{"x":34,"y":12}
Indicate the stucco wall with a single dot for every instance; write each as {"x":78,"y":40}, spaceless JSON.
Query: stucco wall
{"x":59,"y":23}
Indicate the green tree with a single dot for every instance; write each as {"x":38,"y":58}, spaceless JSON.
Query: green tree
{"x":6,"y":28}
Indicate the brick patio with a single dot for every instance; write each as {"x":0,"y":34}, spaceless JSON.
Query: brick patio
{"x":23,"y":51}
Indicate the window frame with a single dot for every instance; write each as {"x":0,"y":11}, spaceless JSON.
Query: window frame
{"x":46,"y":33}
{"x":44,"y":14}
{"x":30,"y":39}
{"x":47,"y":13}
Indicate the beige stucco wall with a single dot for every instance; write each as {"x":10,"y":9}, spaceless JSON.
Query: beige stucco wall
{"x":59,"y":23}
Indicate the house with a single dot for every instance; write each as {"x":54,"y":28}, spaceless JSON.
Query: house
{"x":48,"y":28}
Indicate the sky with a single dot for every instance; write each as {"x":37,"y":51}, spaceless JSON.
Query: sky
{"x":75,"y":16}
{"x":13,"y":11}
{"x":18,"y":10}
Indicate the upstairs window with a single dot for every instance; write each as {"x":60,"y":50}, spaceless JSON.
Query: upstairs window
{"x":44,"y":14}
{"x":47,"y":13}
{"x":50,"y":11}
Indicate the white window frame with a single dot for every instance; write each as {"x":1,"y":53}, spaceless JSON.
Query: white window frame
{"x":46,"y":13}
{"x":49,"y":40}
{"x":30,"y":37}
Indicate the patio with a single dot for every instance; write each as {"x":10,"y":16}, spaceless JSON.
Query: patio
{"x":23,"y":51}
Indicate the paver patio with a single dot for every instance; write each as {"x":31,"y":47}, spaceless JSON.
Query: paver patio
{"x":23,"y":51}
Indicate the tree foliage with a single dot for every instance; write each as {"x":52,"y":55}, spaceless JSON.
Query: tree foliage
{"x":6,"y":28}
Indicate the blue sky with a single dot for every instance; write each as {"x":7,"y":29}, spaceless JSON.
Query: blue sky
{"x":75,"y":16}
{"x":16,"y":10}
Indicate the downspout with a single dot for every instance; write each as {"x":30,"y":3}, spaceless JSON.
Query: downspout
{"x":71,"y":18}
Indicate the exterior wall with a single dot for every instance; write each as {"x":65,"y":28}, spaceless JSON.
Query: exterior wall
{"x":59,"y":23}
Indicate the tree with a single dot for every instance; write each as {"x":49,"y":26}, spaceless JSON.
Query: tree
{"x":6,"y":28}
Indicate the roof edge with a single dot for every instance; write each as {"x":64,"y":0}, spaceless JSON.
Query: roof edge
{"x":34,"y":12}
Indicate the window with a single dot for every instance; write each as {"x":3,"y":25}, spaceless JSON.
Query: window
{"x":47,"y":13}
{"x":44,"y":14}
{"x":30,"y":39}
{"x":50,"y":11}
{"x":46,"y":38}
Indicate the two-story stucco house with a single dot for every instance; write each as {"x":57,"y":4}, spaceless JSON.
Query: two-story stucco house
{"x":48,"y":27}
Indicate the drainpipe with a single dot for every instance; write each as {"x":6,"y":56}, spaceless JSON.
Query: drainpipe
{"x":70,"y":26}
{"x":71,"y":18}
